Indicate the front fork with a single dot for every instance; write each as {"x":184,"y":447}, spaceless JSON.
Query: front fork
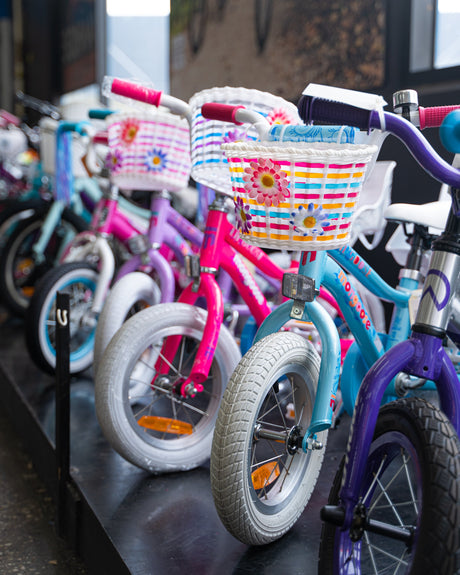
{"x":208,"y":289}
{"x":423,"y":356}
{"x":312,"y":265}
{"x":95,"y":247}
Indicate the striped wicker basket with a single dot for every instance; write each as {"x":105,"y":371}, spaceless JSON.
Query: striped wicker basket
{"x":297,"y":196}
{"x":149,"y":151}
{"x":209,"y":164}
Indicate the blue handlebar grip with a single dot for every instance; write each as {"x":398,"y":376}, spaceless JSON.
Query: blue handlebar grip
{"x":449,"y":132}
{"x":99,"y":114}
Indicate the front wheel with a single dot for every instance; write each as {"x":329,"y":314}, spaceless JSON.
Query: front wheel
{"x":130,"y":294}
{"x":142,"y":413}
{"x":79,"y":280}
{"x":19,"y":268}
{"x":412,"y":481}
{"x":261,"y":479}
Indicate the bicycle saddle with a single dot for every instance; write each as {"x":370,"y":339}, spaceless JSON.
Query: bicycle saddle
{"x":433,"y":214}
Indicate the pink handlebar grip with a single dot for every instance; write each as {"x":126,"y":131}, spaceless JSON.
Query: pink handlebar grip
{"x":10,"y":118}
{"x":221,"y":112}
{"x":433,"y":117}
{"x":101,"y":138}
{"x":136,"y":92}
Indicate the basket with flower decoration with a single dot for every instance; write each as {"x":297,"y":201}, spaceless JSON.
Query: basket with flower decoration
{"x":209,"y":164}
{"x":148,"y":151}
{"x":296,"y":194}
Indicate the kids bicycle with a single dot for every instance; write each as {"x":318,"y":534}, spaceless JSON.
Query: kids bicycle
{"x":36,"y":242}
{"x":92,"y":261}
{"x":271,"y":429}
{"x":358,"y":531}
{"x":178,"y":357}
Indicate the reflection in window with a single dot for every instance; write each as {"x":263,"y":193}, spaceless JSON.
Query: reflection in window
{"x":435,"y":42}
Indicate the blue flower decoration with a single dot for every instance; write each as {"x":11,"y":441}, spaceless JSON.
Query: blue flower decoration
{"x":310,"y":221}
{"x":156,"y":160}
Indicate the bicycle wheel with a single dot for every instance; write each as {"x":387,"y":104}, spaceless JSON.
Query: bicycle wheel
{"x":157,"y":428}
{"x":79,"y":280}
{"x":132,"y":293}
{"x":14,"y":211}
{"x":412,"y":480}
{"x":19,"y":271}
{"x":260,"y":481}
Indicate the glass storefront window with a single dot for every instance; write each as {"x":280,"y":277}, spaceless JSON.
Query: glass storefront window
{"x":434,"y":39}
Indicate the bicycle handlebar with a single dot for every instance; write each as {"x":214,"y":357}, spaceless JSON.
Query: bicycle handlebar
{"x":221,"y":112}
{"x":44,"y":108}
{"x":99,"y":114}
{"x":433,"y":117}
{"x":140,"y":93}
{"x":329,"y":112}
{"x":10,"y":118}
{"x":236,"y":115}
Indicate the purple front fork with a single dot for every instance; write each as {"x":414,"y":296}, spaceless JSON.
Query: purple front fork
{"x":423,"y":356}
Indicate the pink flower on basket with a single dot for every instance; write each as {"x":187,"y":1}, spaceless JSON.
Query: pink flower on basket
{"x":310,"y":221}
{"x":280,"y":116}
{"x":266,"y":182}
{"x":128,"y":131}
{"x":113,"y":160}
{"x":156,"y":160}
{"x":242,"y":216}
{"x":234,"y":136}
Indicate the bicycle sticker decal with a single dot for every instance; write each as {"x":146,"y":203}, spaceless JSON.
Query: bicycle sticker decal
{"x":429,"y":290}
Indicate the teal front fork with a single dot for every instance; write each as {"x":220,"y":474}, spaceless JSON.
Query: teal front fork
{"x":53,"y":217}
{"x":313,"y":264}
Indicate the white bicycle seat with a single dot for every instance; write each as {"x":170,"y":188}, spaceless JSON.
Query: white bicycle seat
{"x":433,"y":214}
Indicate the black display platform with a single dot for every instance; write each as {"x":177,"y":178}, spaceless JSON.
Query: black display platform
{"x":121,"y":520}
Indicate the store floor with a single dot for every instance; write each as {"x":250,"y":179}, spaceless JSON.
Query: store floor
{"x":122,"y":520}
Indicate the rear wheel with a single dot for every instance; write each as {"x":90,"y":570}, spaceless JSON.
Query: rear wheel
{"x":412,"y":482}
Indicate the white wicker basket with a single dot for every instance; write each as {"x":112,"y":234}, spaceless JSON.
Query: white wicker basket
{"x":297,"y":196}
{"x":48,"y":128}
{"x":149,"y":151}
{"x":209,"y":164}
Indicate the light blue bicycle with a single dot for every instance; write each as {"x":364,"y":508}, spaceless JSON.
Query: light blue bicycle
{"x":271,"y":429}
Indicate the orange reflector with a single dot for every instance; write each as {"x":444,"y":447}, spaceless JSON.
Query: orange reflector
{"x":265,"y":474}
{"x":28,"y":291}
{"x":166,"y":425}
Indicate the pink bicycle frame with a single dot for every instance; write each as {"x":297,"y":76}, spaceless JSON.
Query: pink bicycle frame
{"x":220,"y":249}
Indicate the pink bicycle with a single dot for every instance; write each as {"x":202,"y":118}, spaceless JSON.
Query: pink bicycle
{"x":160,"y":381}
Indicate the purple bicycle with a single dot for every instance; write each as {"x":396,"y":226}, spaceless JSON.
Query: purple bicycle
{"x":394,"y":504}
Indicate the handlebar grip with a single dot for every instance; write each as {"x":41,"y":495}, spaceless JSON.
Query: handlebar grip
{"x":136,"y":92}
{"x":433,"y":117}
{"x":221,"y":112}
{"x":101,"y":138}
{"x":10,"y":118}
{"x":450,"y":132}
{"x":99,"y":114}
{"x":328,"y":112}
